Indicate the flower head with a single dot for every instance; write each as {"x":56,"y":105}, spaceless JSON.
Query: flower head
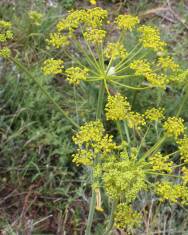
{"x":174,"y":127}
{"x":154,"y":114}
{"x":5,"y":52}
{"x":117,"y":107}
{"x":126,"y":22}
{"x":160,"y":163}
{"x":183,"y":148}
{"x":92,"y":142}
{"x":76,"y":74}
{"x":115,"y":50}
{"x":150,"y":38}
{"x":58,"y":40}
{"x":95,"y":36}
{"x":172,"y":192}
{"x":52,"y":66}
{"x":126,"y":217}
{"x":168,"y":63}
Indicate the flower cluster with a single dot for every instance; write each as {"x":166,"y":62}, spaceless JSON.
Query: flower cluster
{"x":52,"y":66}
{"x":126,"y":217}
{"x":172,"y":192}
{"x":115,"y":50}
{"x":58,"y":40}
{"x":92,"y":142}
{"x":185,"y":175}
{"x":126,"y":22}
{"x":183,"y":148}
{"x":76,"y":74}
{"x":117,"y":107}
{"x":154,"y":114}
{"x":124,"y":177}
{"x":150,"y":38}
{"x":5,"y":35}
{"x":143,"y":68}
{"x":168,"y":63}
{"x":174,"y":127}
{"x":160,"y":163}
{"x":95,"y":36}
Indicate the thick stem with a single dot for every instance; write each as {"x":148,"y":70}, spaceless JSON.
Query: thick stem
{"x":93,"y":197}
{"x":24,"y":69}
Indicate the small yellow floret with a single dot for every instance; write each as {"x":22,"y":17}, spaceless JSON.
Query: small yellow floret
{"x":174,"y":127}
{"x":126,"y":22}
{"x":5,"y":24}
{"x":76,"y":74}
{"x":136,"y":120}
{"x":52,"y":66}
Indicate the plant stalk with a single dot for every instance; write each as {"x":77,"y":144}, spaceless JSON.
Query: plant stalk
{"x":93,"y":197}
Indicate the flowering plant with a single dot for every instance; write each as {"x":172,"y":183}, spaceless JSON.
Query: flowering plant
{"x":122,"y":165}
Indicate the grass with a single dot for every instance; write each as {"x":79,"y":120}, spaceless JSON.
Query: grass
{"x":41,"y":191}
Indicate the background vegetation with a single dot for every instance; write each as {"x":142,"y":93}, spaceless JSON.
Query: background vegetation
{"x":41,"y":191}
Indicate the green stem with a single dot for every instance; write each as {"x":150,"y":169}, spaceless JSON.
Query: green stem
{"x":91,"y":213}
{"x":111,"y":220}
{"x":93,"y":197}
{"x":119,"y":129}
{"x":100,"y":100}
{"x":24,"y":69}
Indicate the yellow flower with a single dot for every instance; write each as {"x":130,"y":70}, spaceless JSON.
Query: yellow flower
{"x":76,"y":74}
{"x":5,"y":24}
{"x":36,"y":17}
{"x":135,"y":120}
{"x":150,"y":38}
{"x":124,"y":177}
{"x":92,"y":18}
{"x":93,"y":2}
{"x":117,"y":107}
{"x":174,"y":127}
{"x":168,"y":63}
{"x":126,"y":22}
{"x":52,"y":66}
{"x":126,"y":217}
{"x":143,"y":68}
{"x":57,"y":40}
{"x":5,"y":52}
{"x":160,"y":163}
{"x":183,"y":148}
{"x":154,"y":114}
{"x":185,"y":175}
{"x":172,"y":192}
{"x":115,"y":50}
{"x":92,"y":142}
{"x":95,"y":36}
